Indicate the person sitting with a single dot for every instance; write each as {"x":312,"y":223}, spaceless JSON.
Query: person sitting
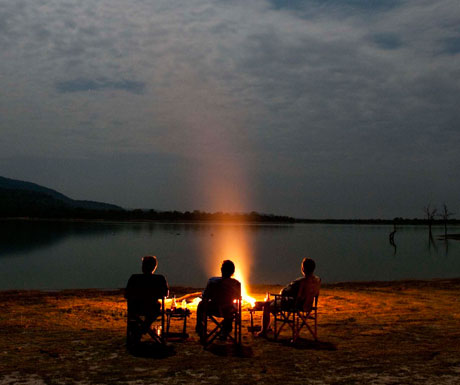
{"x":218,"y":297}
{"x":303,"y":291}
{"x":143,"y":292}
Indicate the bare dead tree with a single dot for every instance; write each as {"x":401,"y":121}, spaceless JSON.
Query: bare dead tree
{"x":429,"y":215}
{"x":445,"y":214}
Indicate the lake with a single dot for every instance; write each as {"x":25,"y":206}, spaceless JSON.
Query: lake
{"x":65,"y":255}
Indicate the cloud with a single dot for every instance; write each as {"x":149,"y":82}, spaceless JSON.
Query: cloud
{"x":333,"y":92}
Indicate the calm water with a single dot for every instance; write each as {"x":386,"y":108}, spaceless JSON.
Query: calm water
{"x":47,"y":255}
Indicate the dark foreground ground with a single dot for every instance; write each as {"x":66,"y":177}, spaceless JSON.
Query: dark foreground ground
{"x":370,"y":333}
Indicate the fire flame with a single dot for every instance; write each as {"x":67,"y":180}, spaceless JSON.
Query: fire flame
{"x":247,"y":299}
{"x":230,"y":242}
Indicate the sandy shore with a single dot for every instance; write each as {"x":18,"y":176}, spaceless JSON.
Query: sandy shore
{"x":404,"y":332}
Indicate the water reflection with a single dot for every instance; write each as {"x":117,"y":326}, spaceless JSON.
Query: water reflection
{"x":392,"y":240}
{"x":431,"y":242}
{"x":55,"y":255}
{"x":21,"y":237}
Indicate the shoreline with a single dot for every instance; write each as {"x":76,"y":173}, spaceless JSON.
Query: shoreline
{"x":295,"y":221}
{"x":259,"y":288}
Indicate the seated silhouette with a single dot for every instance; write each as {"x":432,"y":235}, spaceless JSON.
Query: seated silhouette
{"x":143,"y":292}
{"x":218,"y":298}
{"x":302,"y":293}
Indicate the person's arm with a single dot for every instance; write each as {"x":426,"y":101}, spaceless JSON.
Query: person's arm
{"x":287,"y":290}
{"x":207,"y":291}
{"x":238,"y":294}
{"x":128,"y":288}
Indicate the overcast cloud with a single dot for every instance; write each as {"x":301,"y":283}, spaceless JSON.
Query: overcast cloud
{"x":345,"y":108}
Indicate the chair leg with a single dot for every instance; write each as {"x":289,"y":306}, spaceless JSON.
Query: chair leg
{"x":133,"y":336}
{"x":208,"y":338}
{"x":316,"y":325}
{"x":294,"y":327}
{"x":276,"y":328}
{"x":235,"y":331}
{"x":239,"y":329}
{"x":168,"y":324}
{"x":204,"y":329}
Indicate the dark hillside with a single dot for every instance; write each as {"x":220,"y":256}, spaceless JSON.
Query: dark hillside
{"x":19,"y":198}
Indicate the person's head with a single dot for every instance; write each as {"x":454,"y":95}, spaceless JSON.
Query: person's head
{"x":149,"y":264}
{"x":227,"y":269}
{"x":308,"y":266}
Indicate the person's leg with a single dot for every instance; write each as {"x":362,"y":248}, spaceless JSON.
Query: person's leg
{"x":151,"y":312}
{"x":199,"y":319}
{"x":266,"y":318}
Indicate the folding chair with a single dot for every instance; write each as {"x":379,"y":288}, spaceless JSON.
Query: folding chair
{"x":139,"y":323}
{"x":216,"y":316}
{"x":286,"y":313}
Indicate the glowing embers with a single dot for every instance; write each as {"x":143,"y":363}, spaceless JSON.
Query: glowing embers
{"x":188,"y":301}
{"x":191,"y":301}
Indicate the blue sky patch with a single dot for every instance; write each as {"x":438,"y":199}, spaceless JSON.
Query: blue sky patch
{"x":387,"y":41}
{"x":369,"y":5}
{"x":452,"y":45}
{"x":83,"y":85}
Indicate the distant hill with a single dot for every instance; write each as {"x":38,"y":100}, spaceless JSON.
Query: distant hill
{"x":19,"y":198}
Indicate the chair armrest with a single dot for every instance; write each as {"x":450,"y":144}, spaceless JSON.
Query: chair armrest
{"x":281,"y":296}
{"x":283,"y":301}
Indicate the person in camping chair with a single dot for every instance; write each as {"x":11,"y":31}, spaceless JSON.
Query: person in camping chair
{"x":218,"y":296}
{"x":144,"y":290}
{"x":303,"y":290}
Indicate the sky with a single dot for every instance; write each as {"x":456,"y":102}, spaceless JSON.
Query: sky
{"x":314,"y":109}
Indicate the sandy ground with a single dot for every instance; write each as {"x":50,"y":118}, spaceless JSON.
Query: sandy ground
{"x":373,"y":333}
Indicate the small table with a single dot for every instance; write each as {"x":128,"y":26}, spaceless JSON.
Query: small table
{"x":178,"y":314}
{"x":259,"y":306}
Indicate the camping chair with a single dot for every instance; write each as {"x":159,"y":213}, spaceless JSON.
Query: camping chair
{"x":216,"y":316}
{"x":139,"y":324}
{"x":296,"y":317}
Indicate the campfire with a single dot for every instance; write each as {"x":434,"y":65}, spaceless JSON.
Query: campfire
{"x":191,"y":301}
{"x":230,"y":242}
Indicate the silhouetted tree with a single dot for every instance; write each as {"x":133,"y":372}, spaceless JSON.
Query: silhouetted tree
{"x":445,"y":217}
{"x":429,"y":215}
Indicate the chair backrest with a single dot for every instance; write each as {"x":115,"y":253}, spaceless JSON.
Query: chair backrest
{"x":224,"y":291}
{"x":146,"y":287}
{"x":143,"y":292}
{"x":308,"y":291}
